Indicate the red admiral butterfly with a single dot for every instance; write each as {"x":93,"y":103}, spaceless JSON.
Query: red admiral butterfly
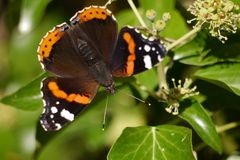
{"x":85,"y":55}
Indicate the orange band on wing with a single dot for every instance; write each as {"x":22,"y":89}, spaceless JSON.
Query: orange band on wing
{"x":132,"y":56}
{"x":57,"y":92}
{"x":47,"y":42}
{"x":91,"y":13}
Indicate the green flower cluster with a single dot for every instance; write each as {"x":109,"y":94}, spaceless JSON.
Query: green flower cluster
{"x":218,"y":16}
{"x":178,"y":93}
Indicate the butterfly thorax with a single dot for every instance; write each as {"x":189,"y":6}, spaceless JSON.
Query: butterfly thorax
{"x":97,"y":67}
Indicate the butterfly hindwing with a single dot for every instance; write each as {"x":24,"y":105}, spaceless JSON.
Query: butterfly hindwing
{"x":64,"y":99}
{"x":135,"y":53}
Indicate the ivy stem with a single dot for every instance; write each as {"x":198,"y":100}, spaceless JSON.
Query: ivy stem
{"x":228,"y":126}
{"x":162,"y":77}
{"x":109,"y":2}
{"x":183,"y":38}
{"x":132,"y":5}
{"x":161,"y":72}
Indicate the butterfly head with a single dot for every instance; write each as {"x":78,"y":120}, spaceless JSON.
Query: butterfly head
{"x":111,"y":88}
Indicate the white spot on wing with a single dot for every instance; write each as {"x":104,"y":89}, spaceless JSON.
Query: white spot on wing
{"x":58,"y":126}
{"x":57,"y":103}
{"x":67,"y":115}
{"x":143,"y":36}
{"x":51,"y":116}
{"x":151,"y":38}
{"x":41,"y":42}
{"x":147,"y":61}
{"x":102,"y":7}
{"x":114,"y":18}
{"x":131,"y":27}
{"x":109,"y":11}
{"x":41,"y":94}
{"x":44,"y":110}
{"x":86,"y":8}
{"x":153,"y":49}
{"x":60,"y":25}
{"x":147,"y":48}
{"x":43,"y":125}
{"x":38,"y":49}
{"x":75,"y":16}
{"x":136,"y":30}
{"x":159,"y":58}
{"x":43,"y":67}
{"x":53,"y":29}
{"x":44,"y":102}
{"x":54,"y":110}
{"x":39,"y":58}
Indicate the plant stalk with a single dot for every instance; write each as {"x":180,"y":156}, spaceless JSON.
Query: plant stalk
{"x":228,"y":126}
{"x":183,"y":38}
{"x":132,"y":5}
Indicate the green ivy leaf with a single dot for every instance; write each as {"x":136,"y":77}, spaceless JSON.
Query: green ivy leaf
{"x":224,"y":75}
{"x":123,"y":21}
{"x":204,"y":50}
{"x":161,"y":142}
{"x":27,"y":97}
{"x":148,"y":79}
{"x":198,"y":118}
{"x":192,"y":48}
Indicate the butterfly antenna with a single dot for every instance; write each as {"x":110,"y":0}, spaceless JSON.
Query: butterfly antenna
{"x":105,"y":113}
{"x":136,"y":98}
{"x":109,"y":2}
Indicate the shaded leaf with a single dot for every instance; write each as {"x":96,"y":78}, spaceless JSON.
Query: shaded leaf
{"x":130,"y":20}
{"x":192,"y":48}
{"x":145,"y":143}
{"x":224,"y":75}
{"x":204,"y":50}
{"x":198,"y":118}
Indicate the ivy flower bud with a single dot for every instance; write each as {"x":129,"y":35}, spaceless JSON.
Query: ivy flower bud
{"x":166,"y":16}
{"x":160,"y":25}
{"x":151,"y":14}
